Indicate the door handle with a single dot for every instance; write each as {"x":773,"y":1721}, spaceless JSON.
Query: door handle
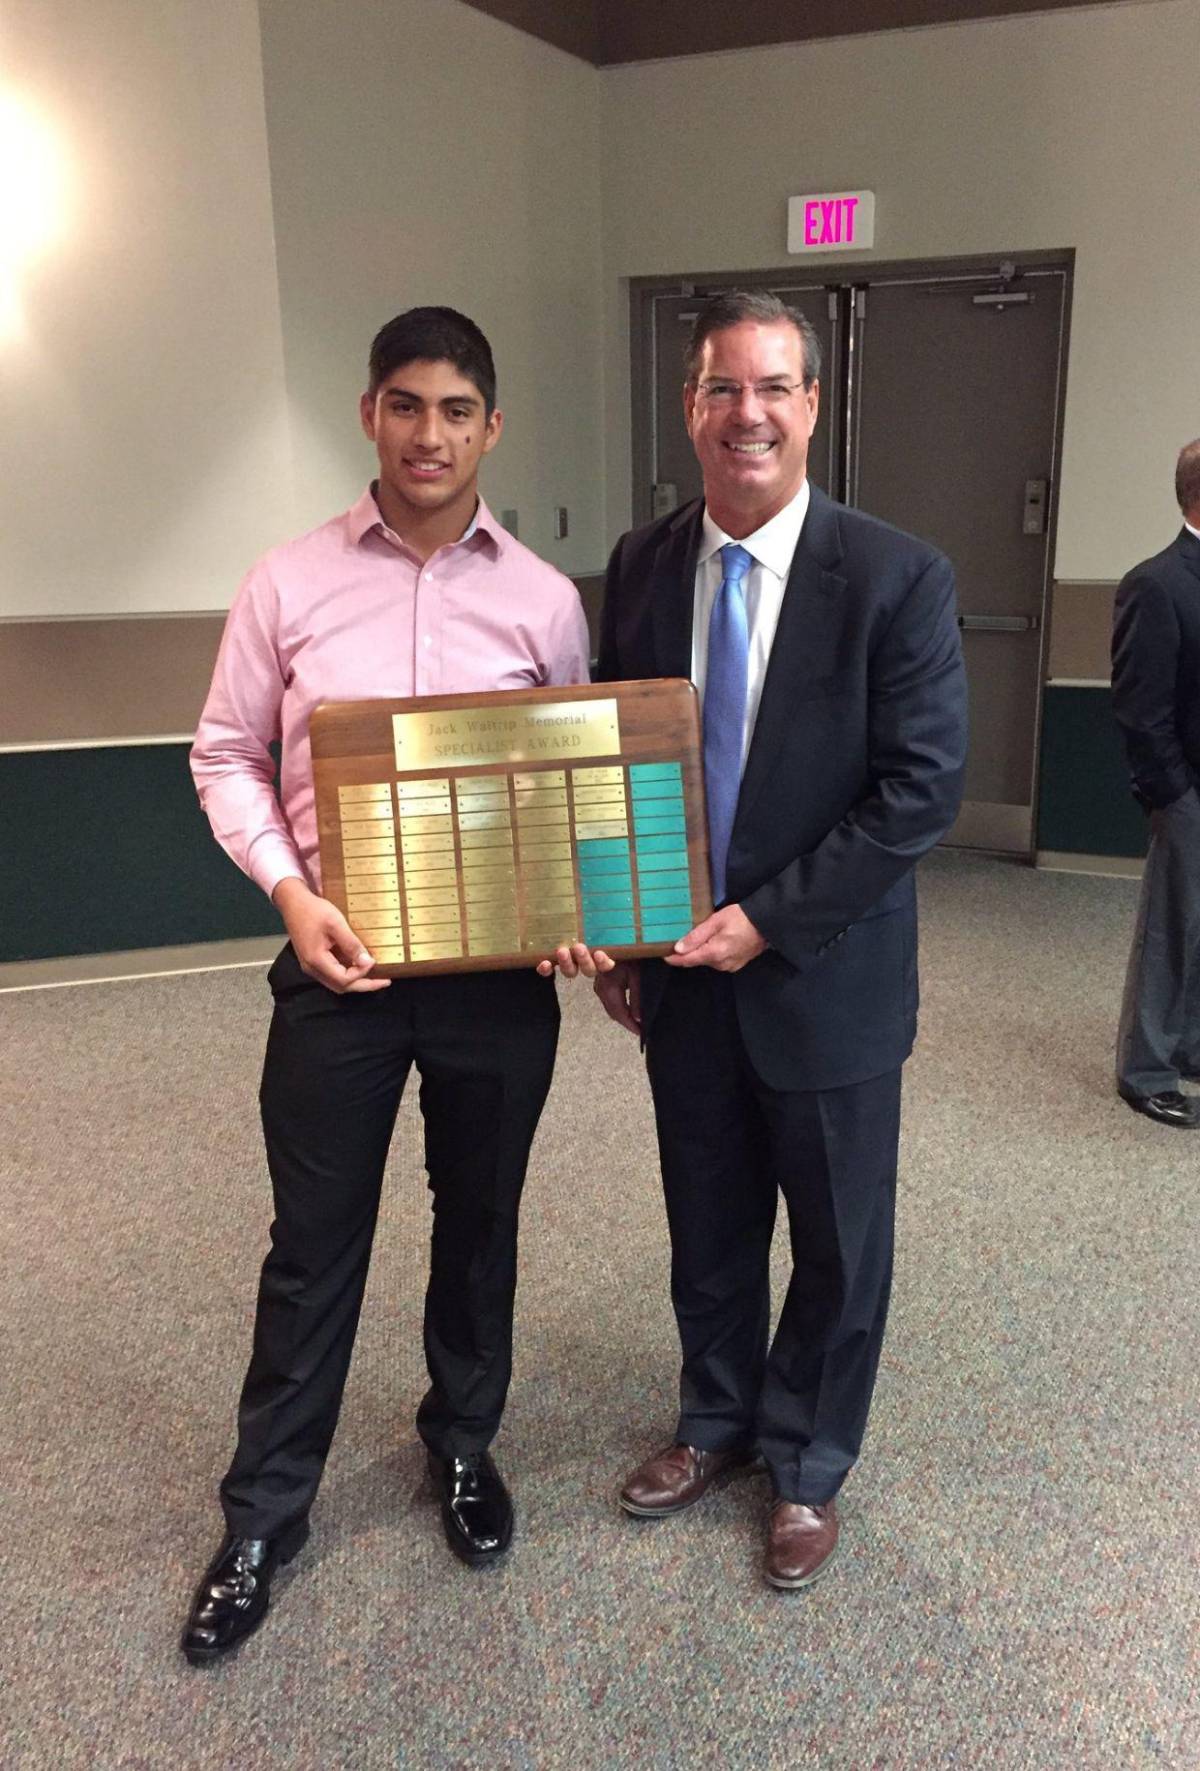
{"x":998,"y":623}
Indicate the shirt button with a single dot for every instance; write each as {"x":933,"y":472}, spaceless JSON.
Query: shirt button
{"x":428,"y":639}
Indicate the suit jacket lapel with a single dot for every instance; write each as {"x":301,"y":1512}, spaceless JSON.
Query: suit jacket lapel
{"x":810,"y":599}
{"x":673,"y":591}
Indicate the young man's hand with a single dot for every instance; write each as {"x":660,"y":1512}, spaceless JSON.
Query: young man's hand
{"x":326,"y":945}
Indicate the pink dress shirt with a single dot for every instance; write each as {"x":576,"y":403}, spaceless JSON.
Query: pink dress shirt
{"x":348,"y":613}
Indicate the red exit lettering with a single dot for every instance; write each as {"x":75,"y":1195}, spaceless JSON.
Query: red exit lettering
{"x":830,"y":223}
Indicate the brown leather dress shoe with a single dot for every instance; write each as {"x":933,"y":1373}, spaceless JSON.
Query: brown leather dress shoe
{"x":675,"y":1478}
{"x":800,"y":1543}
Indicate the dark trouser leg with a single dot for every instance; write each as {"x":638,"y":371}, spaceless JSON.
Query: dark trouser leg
{"x":720,"y":1198}
{"x":1159,"y":1010}
{"x":485,"y":1049}
{"x":334,"y":1071}
{"x":834,"y":1155}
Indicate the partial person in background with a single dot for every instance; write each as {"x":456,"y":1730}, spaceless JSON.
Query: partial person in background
{"x":826,"y":651}
{"x":1156,"y":698}
{"x":415,"y":590}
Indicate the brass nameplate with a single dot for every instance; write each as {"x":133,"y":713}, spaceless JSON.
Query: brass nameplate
{"x":468,"y":737}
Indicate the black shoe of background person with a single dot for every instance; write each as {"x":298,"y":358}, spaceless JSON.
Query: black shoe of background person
{"x":477,"y":1509}
{"x":1169,"y":1108}
{"x":232,"y":1599}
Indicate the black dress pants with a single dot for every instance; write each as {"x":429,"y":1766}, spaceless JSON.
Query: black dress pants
{"x":729,"y":1146}
{"x":483,"y":1044}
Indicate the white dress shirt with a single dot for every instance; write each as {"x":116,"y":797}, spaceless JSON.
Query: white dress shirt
{"x":770,"y":549}
{"x":1191,"y":531}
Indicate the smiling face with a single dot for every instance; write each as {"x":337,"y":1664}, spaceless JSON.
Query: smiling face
{"x":431,"y":429}
{"x":753,"y":451}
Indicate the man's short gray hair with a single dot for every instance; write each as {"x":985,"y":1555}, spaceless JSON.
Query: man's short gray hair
{"x":1187,"y":477}
{"x":733,"y":306}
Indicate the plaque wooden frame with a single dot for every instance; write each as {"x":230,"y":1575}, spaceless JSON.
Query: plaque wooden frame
{"x":479,"y":832}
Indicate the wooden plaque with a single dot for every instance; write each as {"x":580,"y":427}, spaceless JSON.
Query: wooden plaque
{"x":480,"y":832}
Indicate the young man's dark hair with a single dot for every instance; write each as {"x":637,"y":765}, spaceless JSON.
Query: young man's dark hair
{"x":434,"y":335}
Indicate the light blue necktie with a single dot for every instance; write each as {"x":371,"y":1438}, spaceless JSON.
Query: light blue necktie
{"x":725,"y":707}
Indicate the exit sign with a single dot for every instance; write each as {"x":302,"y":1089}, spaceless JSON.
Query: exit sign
{"x":831,"y":221}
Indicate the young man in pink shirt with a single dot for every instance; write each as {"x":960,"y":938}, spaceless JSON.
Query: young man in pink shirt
{"x":416,"y":590}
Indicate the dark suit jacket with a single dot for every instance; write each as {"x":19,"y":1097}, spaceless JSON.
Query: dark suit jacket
{"x":854,"y":771}
{"x":1156,"y":671}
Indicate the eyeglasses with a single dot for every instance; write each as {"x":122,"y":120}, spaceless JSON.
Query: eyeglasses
{"x":728,"y":393}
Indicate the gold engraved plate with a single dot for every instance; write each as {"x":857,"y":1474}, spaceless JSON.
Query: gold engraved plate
{"x":365,"y":920}
{"x":363,"y":864}
{"x":358,"y":831}
{"x":481,"y":802}
{"x":556,"y":896}
{"x":362,"y":810}
{"x":469,"y":737}
{"x":541,"y":796}
{"x":423,"y":826}
{"x":428,"y":842}
{"x":484,"y":820}
{"x":440,"y":876}
{"x":383,"y":845}
{"x":432,"y":919}
{"x":545,"y":851}
{"x":612,"y":795}
{"x":487,"y":839}
{"x":373,"y":900}
{"x":432,"y":807}
{"x":543,"y":778}
{"x":490,"y":894}
{"x":372,"y":790}
{"x":537,"y":815}
{"x":540,"y":870}
{"x":593,"y":777}
{"x":500,"y":870}
{"x":432,"y":895}
{"x":598,"y":814}
{"x":387,"y":955}
{"x":445,"y":949}
{"x":591,"y":832}
{"x":435,"y":784}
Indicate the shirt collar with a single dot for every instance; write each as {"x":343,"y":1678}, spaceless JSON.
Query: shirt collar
{"x":364,"y":516}
{"x":1192,"y":531}
{"x":773,"y":545}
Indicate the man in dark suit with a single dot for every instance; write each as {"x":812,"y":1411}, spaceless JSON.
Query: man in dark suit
{"x":826,"y":651}
{"x":1156,"y":698}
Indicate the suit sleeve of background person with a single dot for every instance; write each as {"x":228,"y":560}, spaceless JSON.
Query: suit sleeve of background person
{"x":1145,"y":690}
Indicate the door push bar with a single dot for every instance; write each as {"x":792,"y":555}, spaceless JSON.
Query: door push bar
{"x":998,"y":623}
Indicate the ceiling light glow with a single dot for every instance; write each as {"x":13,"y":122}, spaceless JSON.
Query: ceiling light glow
{"x":32,"y":184}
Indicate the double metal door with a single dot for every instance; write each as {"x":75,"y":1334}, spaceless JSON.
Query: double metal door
{"x":940,"y":403}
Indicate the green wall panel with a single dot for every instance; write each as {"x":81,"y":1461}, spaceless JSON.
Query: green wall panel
{"x":107,"y":849}
{"x":1085,"y":806}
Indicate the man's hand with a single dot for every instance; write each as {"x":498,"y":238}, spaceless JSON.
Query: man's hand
{"x":576,"y":961}
{"x":620,"y":990}
{"x":326,"y":945}
{"x":727,"y":940}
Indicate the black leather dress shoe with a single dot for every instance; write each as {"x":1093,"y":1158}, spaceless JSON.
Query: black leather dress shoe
{"x":477,"y":1509}
{"x":232,"y":1599}
{"x":1169,"y":1108}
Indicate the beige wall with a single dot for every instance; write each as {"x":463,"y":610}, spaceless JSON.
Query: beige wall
{"x":179,"y":399}
{"x":1059,"y":130}
{"x":422,"y":152}
{"x":143,"y":436}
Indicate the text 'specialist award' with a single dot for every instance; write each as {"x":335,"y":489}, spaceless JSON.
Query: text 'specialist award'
{"x":480,"y":832}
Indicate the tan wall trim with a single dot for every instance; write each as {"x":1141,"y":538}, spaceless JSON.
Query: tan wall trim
{"x":115,"y":678}
{"x":127,"y":677}
{"x":1080,"y":630}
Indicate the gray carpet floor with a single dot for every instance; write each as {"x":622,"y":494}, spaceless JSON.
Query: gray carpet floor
{"x":1018,"y":1583}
